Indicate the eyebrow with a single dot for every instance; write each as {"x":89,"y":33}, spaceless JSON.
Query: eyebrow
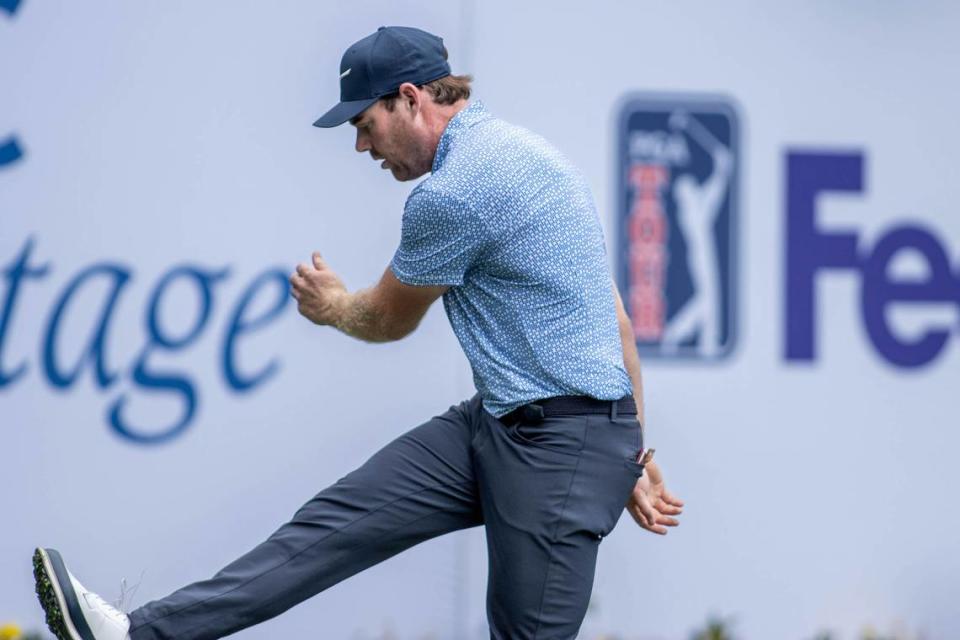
{"x":355,"y":120}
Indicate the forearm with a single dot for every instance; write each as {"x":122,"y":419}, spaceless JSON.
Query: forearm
{"x":631,"y":360}
{"x":387,"y":311}
{"x":359,"y":316}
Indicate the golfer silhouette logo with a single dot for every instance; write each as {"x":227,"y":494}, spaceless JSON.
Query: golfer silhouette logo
{"x":677,"y":249}
{"x":10,"y":150}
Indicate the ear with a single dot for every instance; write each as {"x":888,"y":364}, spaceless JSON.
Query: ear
{"x":411,"y":97}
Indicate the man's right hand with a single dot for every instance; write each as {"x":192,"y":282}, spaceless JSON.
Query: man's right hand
{"x":651,"y":505}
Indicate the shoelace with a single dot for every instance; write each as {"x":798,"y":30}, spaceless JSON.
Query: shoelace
{"x":105,"y":607}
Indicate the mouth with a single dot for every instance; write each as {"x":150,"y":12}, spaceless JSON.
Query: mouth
{"x":376,"y":157}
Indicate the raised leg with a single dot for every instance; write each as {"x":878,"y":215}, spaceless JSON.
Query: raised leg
{"x":419,"y":486}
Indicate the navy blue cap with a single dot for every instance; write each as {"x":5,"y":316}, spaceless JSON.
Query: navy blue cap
{"x":377,"y":65}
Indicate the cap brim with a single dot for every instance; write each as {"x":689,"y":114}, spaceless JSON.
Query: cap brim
{"x":342,"y":112}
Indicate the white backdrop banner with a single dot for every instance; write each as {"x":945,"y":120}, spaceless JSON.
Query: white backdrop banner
{"x":777,"y":184}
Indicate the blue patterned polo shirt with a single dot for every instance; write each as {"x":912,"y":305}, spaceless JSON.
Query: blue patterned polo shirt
{"x":510,"y":226}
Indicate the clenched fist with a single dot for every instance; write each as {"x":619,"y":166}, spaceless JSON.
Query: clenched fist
{"x":319,"y":292}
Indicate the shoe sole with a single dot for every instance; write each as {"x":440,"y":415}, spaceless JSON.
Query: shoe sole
{"x":56,"y":595}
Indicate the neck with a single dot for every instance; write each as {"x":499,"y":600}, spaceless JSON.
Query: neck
{"x":440,"y":118}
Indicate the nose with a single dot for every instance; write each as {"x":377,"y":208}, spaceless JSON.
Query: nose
{"x":363,"y":143}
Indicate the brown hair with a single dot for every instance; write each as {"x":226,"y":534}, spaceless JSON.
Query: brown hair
{"x":446,"y":90}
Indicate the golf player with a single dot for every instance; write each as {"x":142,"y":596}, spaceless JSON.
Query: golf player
{"x":548,"y":452}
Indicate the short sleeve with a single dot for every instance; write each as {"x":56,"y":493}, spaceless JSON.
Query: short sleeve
{"x":440,"y":238}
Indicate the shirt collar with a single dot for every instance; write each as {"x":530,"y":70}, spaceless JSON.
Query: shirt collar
{"x":466,"y":118}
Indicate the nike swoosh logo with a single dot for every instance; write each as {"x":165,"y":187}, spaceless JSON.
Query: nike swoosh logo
{"x":346,"y":73}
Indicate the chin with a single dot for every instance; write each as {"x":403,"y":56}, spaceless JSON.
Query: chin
{"x":405,"y":176}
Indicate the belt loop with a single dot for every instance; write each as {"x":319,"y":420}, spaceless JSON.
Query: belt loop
{"x":533,"y":413}
{"x":613,"y":409}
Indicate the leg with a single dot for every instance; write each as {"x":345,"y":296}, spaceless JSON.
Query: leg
{"x":419,"y":486}
{"x":549,"y":493}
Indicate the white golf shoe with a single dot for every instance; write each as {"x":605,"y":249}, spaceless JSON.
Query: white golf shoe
{"x":73,"y":612}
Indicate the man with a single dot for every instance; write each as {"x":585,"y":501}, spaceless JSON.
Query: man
{"x":546,"y":454}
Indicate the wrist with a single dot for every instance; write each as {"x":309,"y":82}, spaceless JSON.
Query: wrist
{"x":341,"y":302}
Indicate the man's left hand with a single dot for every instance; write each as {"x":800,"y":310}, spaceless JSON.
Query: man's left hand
{"x":651,"y":505}
{"x":319,"y":291}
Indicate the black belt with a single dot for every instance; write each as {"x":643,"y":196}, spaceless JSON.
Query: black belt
{"x":568,"y":406}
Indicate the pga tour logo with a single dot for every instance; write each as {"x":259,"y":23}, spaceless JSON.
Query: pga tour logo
{"x":678,"y":221}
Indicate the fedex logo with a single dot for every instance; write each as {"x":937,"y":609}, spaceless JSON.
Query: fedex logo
{"x":812,"y":251}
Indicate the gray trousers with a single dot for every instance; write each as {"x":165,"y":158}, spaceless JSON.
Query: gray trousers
{"x":547,"y":494}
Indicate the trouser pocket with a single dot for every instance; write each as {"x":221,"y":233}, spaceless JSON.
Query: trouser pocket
{"x":560,"y":434}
